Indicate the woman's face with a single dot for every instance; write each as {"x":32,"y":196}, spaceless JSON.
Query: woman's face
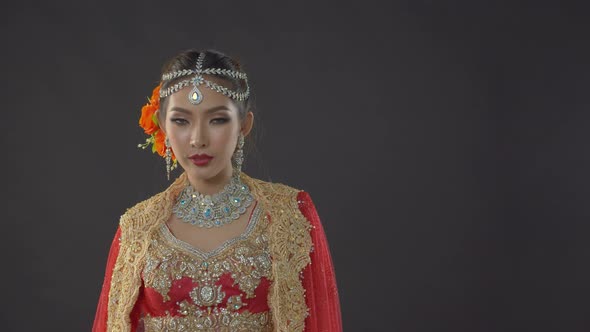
{"x":210,"y":127}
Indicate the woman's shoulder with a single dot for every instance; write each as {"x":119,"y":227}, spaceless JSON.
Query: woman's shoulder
{"x":277,"y":191}
{"x":140,"y":213}
{"x":150,"y":210}
{"x":144,"y":206}
{"x":270,"y":187}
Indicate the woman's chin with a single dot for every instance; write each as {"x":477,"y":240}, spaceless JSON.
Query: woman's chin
{"x":204,"y":173}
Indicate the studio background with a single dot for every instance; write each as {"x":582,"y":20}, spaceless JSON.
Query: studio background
{"x":443,"y":143}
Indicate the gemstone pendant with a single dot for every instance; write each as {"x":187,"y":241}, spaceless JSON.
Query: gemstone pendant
{"x":195,"y":96}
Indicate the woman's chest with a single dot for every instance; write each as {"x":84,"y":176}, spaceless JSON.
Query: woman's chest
{"x":180,"y":279}
{"x":208,"y":239}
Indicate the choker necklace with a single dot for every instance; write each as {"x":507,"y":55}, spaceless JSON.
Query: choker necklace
{"x":213,"y":210}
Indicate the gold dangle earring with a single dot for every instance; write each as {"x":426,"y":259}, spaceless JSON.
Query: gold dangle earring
{"x":168,"y":157}
{"x":238,"y":156}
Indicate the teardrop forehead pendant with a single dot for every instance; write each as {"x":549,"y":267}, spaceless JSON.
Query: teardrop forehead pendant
{"x":195,"y":96}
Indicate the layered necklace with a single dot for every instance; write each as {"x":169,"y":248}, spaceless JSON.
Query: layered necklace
{"x":213,"y":210}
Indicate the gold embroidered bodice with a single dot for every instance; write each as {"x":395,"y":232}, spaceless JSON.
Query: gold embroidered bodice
{"x":186,"y":289}
{"x":289,"y":243}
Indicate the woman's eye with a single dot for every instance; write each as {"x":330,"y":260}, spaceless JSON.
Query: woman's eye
{"x":220,"y":120}
{"x":179,"y":121}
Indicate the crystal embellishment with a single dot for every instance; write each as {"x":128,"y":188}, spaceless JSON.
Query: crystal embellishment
{"x":213,"y":210}
{"x":207,"y":295}
{"x":195,"y":96}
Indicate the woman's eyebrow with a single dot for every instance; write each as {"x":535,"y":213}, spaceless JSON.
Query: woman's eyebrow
{"x":211,"y":110}
{"x":216,"y":109}
{"x":181,"y":110}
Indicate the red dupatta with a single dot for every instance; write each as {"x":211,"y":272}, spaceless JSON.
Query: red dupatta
{"x":319,"y":280}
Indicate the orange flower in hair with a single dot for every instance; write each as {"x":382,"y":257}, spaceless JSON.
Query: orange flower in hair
{"x":159,"y":145}
{"x":149,"y":122}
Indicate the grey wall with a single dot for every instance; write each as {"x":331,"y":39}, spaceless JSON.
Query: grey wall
{"x":444,"y":145}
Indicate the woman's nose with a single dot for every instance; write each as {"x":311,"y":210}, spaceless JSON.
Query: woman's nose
{"x":199,"y":136}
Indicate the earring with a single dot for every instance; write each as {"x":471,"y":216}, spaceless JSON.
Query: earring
{"x":238,"y":156}
{"x":168,"y":157}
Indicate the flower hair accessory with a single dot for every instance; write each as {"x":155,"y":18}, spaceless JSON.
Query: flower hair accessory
{"x":149,"y":122}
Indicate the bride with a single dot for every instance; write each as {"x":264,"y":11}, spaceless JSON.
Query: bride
{"x":217,"y":250}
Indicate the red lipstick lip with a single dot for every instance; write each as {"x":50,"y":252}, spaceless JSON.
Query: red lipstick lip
{"x":203,"y":156}
{"x":200,"y":159}
{"x":200,"y":162}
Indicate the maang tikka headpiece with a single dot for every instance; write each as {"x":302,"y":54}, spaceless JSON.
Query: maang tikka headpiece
{"x":195,"y":96}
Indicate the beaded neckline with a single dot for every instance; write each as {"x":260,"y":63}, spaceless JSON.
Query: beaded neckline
{"x":252,"y":222}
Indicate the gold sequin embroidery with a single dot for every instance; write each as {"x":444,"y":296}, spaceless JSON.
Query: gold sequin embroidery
{"x":246,"y":258}
{"x":214,"y":320}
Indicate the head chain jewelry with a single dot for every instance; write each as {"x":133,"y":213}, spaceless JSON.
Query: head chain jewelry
{"x":195,"y":96}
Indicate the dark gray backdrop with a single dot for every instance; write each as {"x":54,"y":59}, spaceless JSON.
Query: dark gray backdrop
{"x":444,"y":144}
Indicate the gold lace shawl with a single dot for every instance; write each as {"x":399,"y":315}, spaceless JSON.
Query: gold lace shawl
{"x":289,"y":242}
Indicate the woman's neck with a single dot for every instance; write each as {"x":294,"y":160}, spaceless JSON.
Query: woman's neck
{"x":212,"y":185}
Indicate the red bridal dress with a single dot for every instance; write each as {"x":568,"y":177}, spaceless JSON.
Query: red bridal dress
{"x":182,"y":288}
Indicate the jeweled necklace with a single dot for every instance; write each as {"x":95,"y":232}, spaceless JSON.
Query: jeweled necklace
{"x":213,"y":210}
